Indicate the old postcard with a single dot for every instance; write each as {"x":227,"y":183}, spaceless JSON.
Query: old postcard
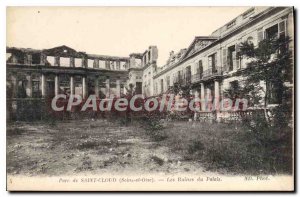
{"x":150,"y":98}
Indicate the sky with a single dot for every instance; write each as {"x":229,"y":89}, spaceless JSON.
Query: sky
{"x":116,"y":31}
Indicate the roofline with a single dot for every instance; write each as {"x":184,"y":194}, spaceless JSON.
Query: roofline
{"x":23,"y":49}
{"x":207,"y":37}
{"x":93,"y":56}
{"x":235,"y":18}
{"x":262,"y":14}
{"x":136,"y":55}
{"x":195,"y":39}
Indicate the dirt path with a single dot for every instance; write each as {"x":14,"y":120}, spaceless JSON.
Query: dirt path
{"x":88,"y":147}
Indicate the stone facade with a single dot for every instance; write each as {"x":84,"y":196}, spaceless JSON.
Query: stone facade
{"x":211,"y":64}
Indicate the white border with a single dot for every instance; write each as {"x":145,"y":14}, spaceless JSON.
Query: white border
{"x":5,"y":3}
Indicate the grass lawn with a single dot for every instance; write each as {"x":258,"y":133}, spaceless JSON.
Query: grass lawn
{"x":100,"y":146}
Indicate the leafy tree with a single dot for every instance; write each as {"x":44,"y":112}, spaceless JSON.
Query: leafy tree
{"x":269,"y":67}
{"x":269,"y":137}
{"x":130,"y":90}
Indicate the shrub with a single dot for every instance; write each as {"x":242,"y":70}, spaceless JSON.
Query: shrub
{"x":154,"y":127}
{"x":270,"y":144}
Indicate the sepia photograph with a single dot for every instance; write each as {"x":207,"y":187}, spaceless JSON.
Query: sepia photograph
{"x":150,"y":98}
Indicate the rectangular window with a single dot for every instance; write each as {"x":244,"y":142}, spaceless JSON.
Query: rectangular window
{"x":212,"y":61}
{"x":50,"y":60}
{"x":282,"y":29}
{"x":149,"y":57}
{"x":188,"y":74}
{"x":78,"y":62}
{"x":276,"y":31}
{"x":200,"y":68}
{"x":177,"y":78}
{"x":168,"y":81}
{"x":90,"y":63}
{"x":138,"y":87}
{"x":36,"y":58}
{"x":181,"y":76}
{"x":64,"y":61}
{"x":36,"y":89}
{"x":209,"y":61}
{"x":272,"y":32}
{"x":161,"y":86}
{"x":231,"y":58}
{"x":272,"y":93}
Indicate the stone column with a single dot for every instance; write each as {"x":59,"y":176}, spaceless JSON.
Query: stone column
{"x":83,"y":62}
{"x":118,"y":83}
{"x":84,"y":91}
{"x":29,"y":85}
{"x":43,"y":59}
{"x":132,"y":62}
{"x":196,"y":94}
{"x":112,"y":65}
{"x":96,"y":63}
{"x":118,"y":63}
{"x":43,"y":85}
{"x":72,"y":86}
{"x":202,"y":94}
{"x":107,"y":87}
{"x":14,"y":58}
{"x":56,"y":85}
{"x":217,"y":95}
{"x":14,"y":81}
{"x":96,"y":86}
{"x":28,"y":59}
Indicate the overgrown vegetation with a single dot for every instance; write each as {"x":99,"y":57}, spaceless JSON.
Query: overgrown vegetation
{"x":222,"y":147}
{"x":153,"y":126}
{"x":263,"y":142}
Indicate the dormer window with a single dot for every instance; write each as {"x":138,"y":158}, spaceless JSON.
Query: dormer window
{"x":248,"y":13}
{"x":231,"y":24}
{"x":65,"y":50}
